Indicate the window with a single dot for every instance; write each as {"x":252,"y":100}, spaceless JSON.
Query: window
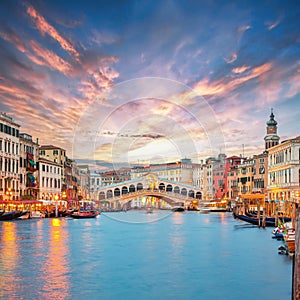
{"x":42,"y":152}
{"x":55,"y":152}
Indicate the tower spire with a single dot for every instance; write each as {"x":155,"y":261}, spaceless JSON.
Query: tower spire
{"x":271,"y":139}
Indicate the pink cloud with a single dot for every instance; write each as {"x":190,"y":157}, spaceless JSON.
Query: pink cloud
{"x":239,"y":70}
{"x":45,"y":57}
{"x":45,"y":28}
{"x":13,"y":38}
{"x":205,"y":87}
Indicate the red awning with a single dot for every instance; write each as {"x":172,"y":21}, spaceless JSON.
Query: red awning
{"x":20,"y":202}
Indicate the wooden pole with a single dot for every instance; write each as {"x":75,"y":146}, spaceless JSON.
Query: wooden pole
{"x":296,"y":259}
{"x":276,"y":216}
{"x":264,"y":218}
{"x":258,"y":212}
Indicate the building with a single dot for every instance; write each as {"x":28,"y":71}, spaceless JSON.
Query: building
{"x":84,"y":182}
{"x":245,"y":176}
{"x":49,"y":179}
{"x":231,"y":173}
{"x":29,"y":154}
{"x":9,"y":158}
{"x":115,"y":176}
{"x":219,"y":177}
{"x":284,"y":171}
{"x":95,"y":184}
{"x":260,"y":173}
{"x":55,"y":154}
{"x":180,"y":171}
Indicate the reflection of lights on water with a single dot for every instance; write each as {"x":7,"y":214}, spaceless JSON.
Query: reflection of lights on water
{"x":9,"y":254}
{"x":177,"y":218}
{"x":56,"y":268}
{"x":206,"y":220}
{"x":56,"y":222}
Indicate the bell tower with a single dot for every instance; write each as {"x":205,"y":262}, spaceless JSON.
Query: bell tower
{"x":271,"y":139}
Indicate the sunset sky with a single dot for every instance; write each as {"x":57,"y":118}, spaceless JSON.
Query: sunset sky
{"x":151,"y":81}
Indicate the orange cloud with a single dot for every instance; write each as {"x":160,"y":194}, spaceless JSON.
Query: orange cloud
{"x":205,"y":87}
{"x":45,"y":57}
{"x":239,"y":70}
{"x":45,"y":28}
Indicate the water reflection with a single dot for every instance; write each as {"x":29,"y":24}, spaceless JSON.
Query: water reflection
{"x":9,"y":254}
{"x":55,"y":279}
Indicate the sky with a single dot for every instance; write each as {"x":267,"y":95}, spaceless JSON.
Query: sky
{"x":151,"y":81}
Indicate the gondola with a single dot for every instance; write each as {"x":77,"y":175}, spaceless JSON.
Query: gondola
{"x":7,"y":216}
{"x":272,"y":219}
{"x":253,"y":220}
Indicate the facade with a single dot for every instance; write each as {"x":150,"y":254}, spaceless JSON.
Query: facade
{"x":70,"y":181}
{"x":245,"y":176}
{"x":55,"y":154}
{"x":49,"y":180}
{"x":231,"y":173}
{"x":219,"y":177}
{"x":9,"y":158}
{"x":284,"y":171}
{"x":260,"y":173}
{"x":115,"y":176}
{"x":180,"y":171}
{"x":95,"y":184}
{"x":84,"y":182}
{"x":29,"y":153}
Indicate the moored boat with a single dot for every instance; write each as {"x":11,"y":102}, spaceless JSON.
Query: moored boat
{"x":178,"y":209}
{"x":254,"y":220}
{"x":85,"y":214}
{"x":289,"y":239}
{"x":7,"y":216}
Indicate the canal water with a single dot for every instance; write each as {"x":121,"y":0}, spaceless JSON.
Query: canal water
{"x":135,"y":255}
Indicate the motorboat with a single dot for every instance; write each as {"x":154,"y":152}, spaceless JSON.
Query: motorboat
{"x":85,"y":214}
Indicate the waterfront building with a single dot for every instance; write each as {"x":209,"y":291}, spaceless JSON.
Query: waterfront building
{"x":95,"y":184}
{"x":29,"y":154}
{"x":231,"y":173}
{"x":219,"y":177}
{"x":260,"y":173}
{"x":57,"y":155}
{"x":9,"y":158}
{"x":179,"y":171}
{"x":115,"y":176}
{"x":284,"y":171}
{"x":84,"y":182}
{"x":245,"y":176}
{"x":70,"y":183}
{"x":50,"y":177}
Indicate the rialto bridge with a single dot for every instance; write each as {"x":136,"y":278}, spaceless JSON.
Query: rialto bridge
{"x":148,"y":187}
